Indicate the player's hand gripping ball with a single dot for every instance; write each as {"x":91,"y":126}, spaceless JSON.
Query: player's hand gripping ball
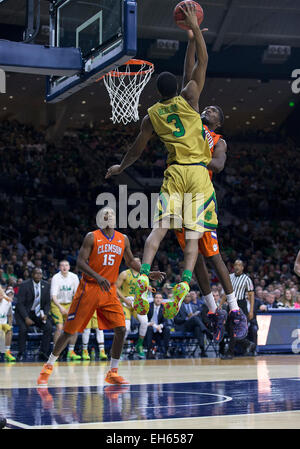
{"x":179,"y":15}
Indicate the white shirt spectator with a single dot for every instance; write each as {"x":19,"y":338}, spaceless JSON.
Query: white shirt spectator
{"x":64,"y":287}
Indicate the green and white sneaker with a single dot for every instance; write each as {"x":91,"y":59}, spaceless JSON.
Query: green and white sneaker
{"x":85,"y":355}
{"x":8,"y":357}
{"x":102,"y":355}
{"x":179,"y":293}
{"x":73,"y":356}
{"x":140,"y":352}
{"x":140,"y":303}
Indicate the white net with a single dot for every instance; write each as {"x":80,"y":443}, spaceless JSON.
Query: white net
{"x":124,"y":89}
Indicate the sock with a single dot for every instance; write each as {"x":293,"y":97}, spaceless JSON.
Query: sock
{"x":232,"y":302}
{"x":84,"y":347}
{"x":7,"y":348}
{"x":210,"y":302}
{"x":71,"y":348}
{"x":86,"y":336}
{"x":186,"y":276}
{"x":145,"y":269}
{"x":101,"y":347}
{"x":114,"y":363}
{"x":140,"y":341}
{"x":52,"y":359}
{"x":99,"y":336}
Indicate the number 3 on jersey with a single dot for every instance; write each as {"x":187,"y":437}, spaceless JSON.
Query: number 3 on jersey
{"x":178,"y":125}
{"x":109,"y":259}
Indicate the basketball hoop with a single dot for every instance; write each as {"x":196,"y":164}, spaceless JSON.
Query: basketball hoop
{"x":125,"y":87}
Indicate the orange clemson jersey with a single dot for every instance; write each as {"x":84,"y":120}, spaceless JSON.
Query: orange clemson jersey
{"x":106,"y":255}
{"x":212,"y":139}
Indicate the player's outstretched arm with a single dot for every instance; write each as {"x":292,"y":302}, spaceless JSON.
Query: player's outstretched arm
{"x":82,"y":265}
{"x":195,"y":86}
{"x":219,"y":157}
{"x":189,"y":60}
{"x":136,"y":150}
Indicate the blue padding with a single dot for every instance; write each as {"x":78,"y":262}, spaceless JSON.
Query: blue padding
{"x":38,"y":59}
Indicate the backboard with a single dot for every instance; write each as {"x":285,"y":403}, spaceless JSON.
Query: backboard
{"x":105,"y":32}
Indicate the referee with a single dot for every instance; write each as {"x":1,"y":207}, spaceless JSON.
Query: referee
{"x":241,"y":283}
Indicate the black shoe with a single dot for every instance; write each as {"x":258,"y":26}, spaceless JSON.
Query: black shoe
{"x":209,"y":335}
{"x":217,"y":324}
{"x":250,"y":349}
{"x":21,"y":357}
{"x":167,"y":355}
{"x":150,"y":354}
{"x":2,"y":423}
{"x":226,"y":356}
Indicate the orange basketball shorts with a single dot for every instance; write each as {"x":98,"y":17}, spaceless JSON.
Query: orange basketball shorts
{"x":208,"y":245}
{"x":88,"y":298}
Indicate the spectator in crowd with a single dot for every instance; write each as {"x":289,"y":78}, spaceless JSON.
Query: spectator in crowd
{"x":189,"y":320}
{"x":195,"y":299}
{"x":269,"y":303}
{"x":32,"y":309}
{"x":6,"y":320}
{"x":297,"y":301}
{"x":157,"y":330}
{"x":217,"y":297}
{"x":63,"y":287}
{"x":287,"y":299}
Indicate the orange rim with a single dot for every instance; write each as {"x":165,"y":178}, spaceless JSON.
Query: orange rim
{"x":131,"y":62}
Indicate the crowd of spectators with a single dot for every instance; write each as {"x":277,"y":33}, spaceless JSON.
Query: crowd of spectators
{"x":48,"y":194}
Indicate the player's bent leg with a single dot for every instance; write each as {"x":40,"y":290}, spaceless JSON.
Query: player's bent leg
{"x":140,"y":303}
{"x":143,"y":320}
{"x":181,"y":289}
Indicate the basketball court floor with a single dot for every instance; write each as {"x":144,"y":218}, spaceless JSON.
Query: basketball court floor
{"x":260,"y":392}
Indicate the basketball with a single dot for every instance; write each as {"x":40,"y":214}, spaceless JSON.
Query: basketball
{"x":179,"y":15}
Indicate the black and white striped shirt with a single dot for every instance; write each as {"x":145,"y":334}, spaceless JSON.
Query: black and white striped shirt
{"x":241,"y":284}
